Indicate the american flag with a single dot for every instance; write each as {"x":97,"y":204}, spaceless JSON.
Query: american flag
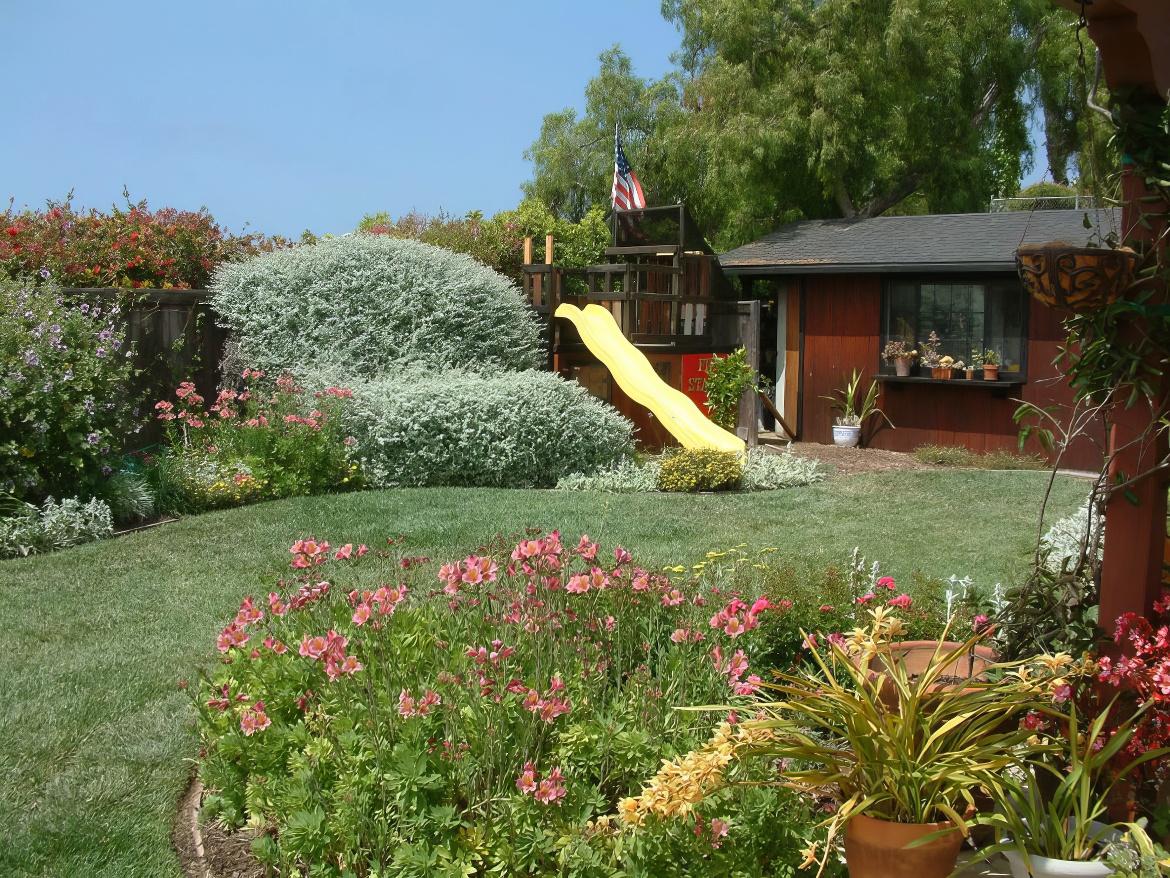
{"x":627,"y":191}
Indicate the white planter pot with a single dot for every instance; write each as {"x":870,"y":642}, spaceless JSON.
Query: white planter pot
{"x":1043,"y":867}
{"x":846,"y":437}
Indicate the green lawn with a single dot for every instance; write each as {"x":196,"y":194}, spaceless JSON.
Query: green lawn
{"x":95,"y":735}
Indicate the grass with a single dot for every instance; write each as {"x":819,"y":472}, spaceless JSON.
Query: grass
{"x":998,"y":459}
{"x":95,"y":734}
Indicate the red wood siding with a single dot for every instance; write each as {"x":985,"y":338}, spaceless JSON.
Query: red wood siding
{"x":842,"y":322}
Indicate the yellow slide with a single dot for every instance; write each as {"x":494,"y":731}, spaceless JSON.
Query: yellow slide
{"x":634,"y":374}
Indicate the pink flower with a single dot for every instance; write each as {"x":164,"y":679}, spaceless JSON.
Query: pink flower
{"x":733,"y":628}
{"x":556,"y":684}
{"x":586,"y":549}
{"x":979,"y":623}
{"x":759,"y":606}
{"x":253,"y":719}
{"x":622,"y":556}
{"x":680,"y":635}
{"x":673,"y":598}
{"x":362,"y":549}
{"x":827,"y":608}
{"x":902,"y":601}
{"x":406,"y":706}
{"x":578,"y":584}
{"x":430,"y":699}
{"x":1061,"y":693}
{"x":350,"y":665}
{"x":597,"y":578}
{"x":361,"y":615}
{"x":231,"y":636}
{"x":866,"y":598}
{"x":737,"y":665}
{"x":551,"y":789}
{"x":526,"y":782}
{"x":344,"y":553}
{"x":641,"y":581}
{"x":719,"y":830}
{"x":886,"y":582}
{"x":748,"y":686}
{"x":313,"y":647}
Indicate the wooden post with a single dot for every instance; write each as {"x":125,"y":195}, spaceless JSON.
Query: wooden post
{"x":527,"y":251}
{"x":548,"y":249}
{"x":748,"y":422}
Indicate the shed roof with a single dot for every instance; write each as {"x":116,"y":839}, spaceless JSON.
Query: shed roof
{"x":962,"y":242}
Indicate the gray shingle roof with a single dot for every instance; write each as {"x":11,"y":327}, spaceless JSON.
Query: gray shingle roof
{"x":950,"y":242}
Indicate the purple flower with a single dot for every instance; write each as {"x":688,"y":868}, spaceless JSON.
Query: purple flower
{"x":101,"y":352}
{"x":92,"y":438}
{"x":44,"y":273}
{"x":31,"y":359}
{"x":106,"y":470}
{"x":84,"y":309}
{"x":104,"y":335}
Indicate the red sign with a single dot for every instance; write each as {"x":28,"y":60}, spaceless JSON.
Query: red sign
{"x":694,"y":378}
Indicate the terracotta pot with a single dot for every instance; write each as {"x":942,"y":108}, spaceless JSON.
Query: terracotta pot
{"x":991,"y":373}
{"x":877,"y":849}
{"x":902,"y":366}
{"x":917,"y":654}
{"x":970,"y":374}
{"x":942,"y":372}
{"x":1076,"y":278}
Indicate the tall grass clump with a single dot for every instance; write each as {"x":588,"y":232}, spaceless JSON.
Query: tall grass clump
{"x":372,"y":304}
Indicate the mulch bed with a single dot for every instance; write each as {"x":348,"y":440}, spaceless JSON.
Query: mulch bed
{"x":850,"y":461}
{"x":208,"y":850}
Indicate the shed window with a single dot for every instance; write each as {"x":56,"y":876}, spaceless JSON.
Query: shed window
{"x":967,"y":316}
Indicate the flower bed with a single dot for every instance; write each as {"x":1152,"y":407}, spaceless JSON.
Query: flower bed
{"x":378,"y":718}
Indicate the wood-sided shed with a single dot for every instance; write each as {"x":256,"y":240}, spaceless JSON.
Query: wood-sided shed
{"x":835,"y":291}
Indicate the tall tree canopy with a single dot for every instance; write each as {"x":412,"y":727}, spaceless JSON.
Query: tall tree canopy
{"x":815,"y":108}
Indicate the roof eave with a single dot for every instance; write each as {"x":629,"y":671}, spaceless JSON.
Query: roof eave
{"x":872,"y":268}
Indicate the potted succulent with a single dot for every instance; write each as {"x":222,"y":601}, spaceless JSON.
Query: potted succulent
{"x":855,"y":410}
{"x":976,"y":364}
{"x":906,"y":772}
{"x":901,"y":355}
{"x":990,"y":365}
{"x":940,"y":366}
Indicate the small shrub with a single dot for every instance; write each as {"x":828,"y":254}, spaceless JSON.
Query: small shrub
{"x":64,"y":410}
{"x":766,"y":471}
{"x":627,"y":476}
{"x":727,"y":379}
{"x":28,"y":530}
{"x":513,"y":429}
{"x":369,"y":304}
{"x":700,"y":469}
{"x":1064,"y":542}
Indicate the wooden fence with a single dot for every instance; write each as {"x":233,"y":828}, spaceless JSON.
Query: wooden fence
{"x":175,"y":338}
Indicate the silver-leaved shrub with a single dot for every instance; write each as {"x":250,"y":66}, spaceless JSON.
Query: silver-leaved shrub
{"x":29,"y":530}
{"x":416,"y":427}
{"x":370,"y":304}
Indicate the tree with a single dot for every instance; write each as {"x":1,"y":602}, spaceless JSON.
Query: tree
{"x":817,"y":108}
{"x":573,"y":158}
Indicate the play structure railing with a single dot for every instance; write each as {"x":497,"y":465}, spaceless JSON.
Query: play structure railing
{"x":628,"y":291}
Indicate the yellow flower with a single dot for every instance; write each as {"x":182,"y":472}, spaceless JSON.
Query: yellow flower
{"x":810,"y":855}
{"x":1055,"y":662}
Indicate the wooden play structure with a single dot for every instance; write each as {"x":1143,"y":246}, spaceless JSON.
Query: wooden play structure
{"x":668,"y":297}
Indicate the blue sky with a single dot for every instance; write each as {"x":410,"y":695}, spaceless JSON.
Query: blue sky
{"x":298,"y":115}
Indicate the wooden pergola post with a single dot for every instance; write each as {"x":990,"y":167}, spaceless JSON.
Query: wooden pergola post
{"x":1134,"y":39}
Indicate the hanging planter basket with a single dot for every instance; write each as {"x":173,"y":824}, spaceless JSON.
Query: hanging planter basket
{"x":1075,"y":278}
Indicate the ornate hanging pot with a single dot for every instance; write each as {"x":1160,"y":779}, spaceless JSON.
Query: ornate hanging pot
{"x":1076,"y":278}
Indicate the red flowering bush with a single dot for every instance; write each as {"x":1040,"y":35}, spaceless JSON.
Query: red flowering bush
{"x":268,"y":440}
{"x":376,"y":714}
{"x":134,"y":248}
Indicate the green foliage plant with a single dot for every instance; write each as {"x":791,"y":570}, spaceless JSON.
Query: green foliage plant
{"x":384,"y":714}
{"x":26,"y":530}
{"x":371,"y":304}
{"x":64,"y":405}
{"x":268,"y":440}
{"x":700,"y":469}
{"x":854,"y":408}
{"x":727,"y":380}
{"x":1081,"y":757}
{"x":854,"y":722}
{"x":420,"y":427}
